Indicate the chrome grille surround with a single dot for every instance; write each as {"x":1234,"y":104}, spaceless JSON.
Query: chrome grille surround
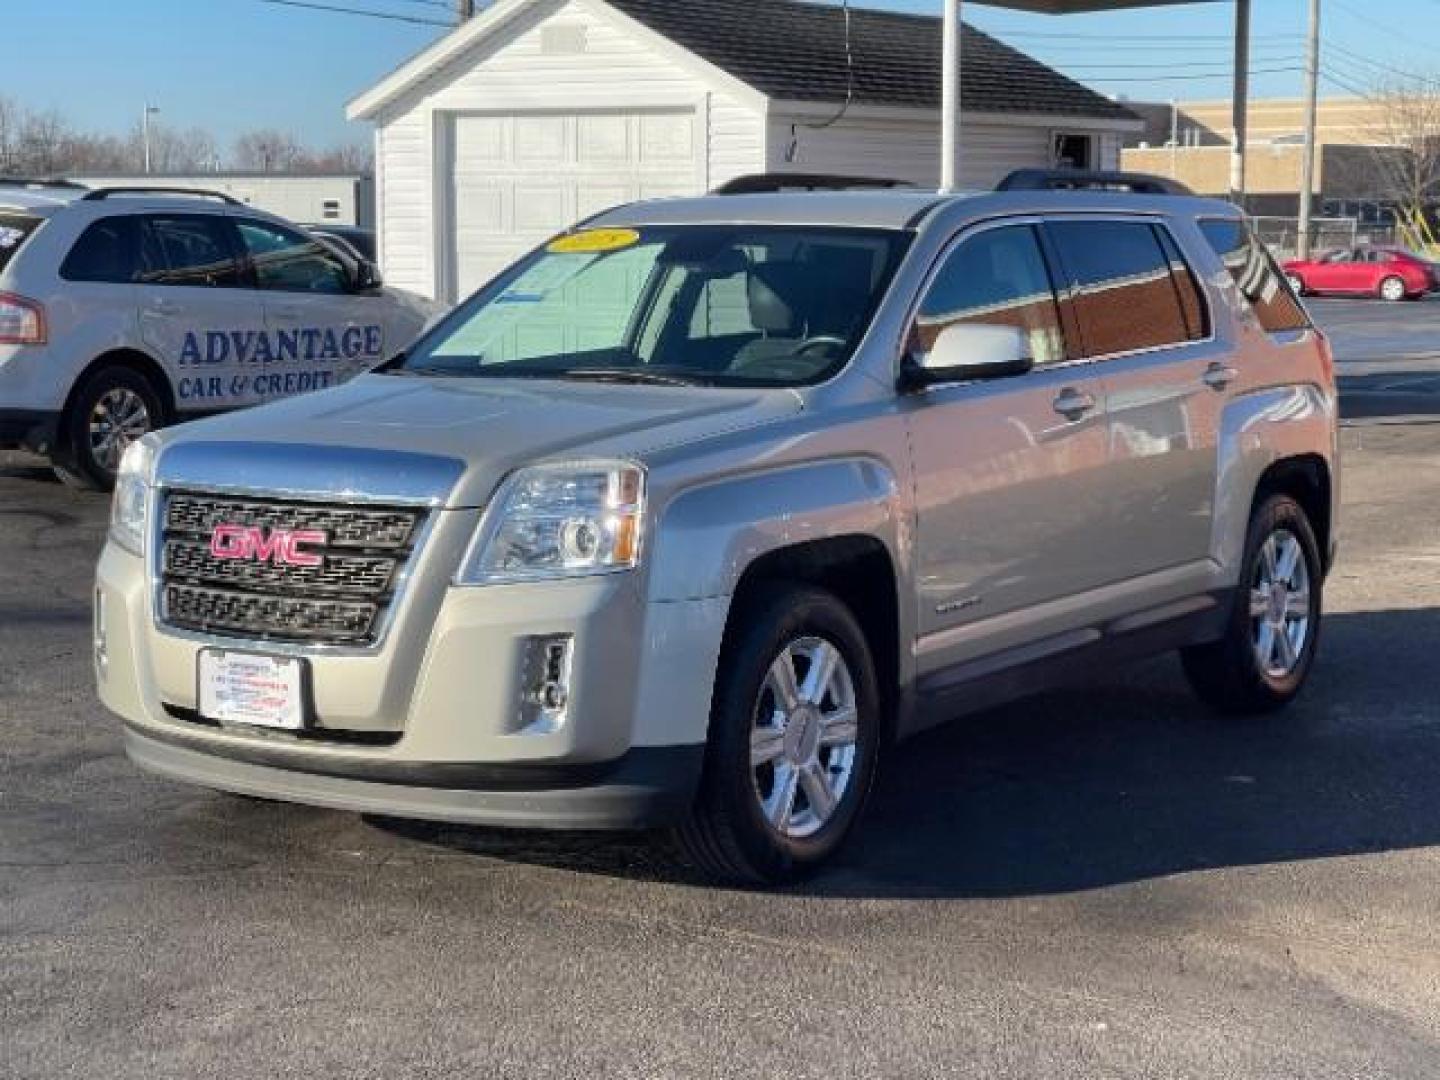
{"x":342,"y":602}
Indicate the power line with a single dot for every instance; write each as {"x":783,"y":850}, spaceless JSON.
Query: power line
{"x":335,"y":9}
{"x":1185,"y":78}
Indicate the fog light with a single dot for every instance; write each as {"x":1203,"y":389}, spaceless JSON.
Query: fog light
{"x":545,"y":683}
{"x":102,"y":655}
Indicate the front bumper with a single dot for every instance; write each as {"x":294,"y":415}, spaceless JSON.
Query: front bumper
{"x":425,"y":725}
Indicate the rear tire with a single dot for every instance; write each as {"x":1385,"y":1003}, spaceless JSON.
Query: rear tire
{"x":1393,"y":289}
{"x":1273,"y":627}
{"x":783,"y":784}
{"x":112,"y":408}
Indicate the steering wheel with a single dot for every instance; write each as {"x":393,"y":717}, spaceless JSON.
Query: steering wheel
{"x":819,"y":340}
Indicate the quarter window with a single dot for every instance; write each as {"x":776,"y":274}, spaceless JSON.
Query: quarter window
{"x":287,"y":261}
{"x":1255,"y":273}
{"x":194,"y":250}
{"x":998,"y":278}
{"x":1124,"y":294}
{"x":109,"y":251}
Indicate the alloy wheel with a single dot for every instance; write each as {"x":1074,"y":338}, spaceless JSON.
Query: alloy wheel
{"x":1280,"y":605}
{"x":118,"y":419}
{"x":804,"y":737}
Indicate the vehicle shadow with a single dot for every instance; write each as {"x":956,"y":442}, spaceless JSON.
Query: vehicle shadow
{"x":1123,"y":779}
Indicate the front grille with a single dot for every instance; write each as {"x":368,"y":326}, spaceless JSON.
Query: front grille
{"x":342,"y":601}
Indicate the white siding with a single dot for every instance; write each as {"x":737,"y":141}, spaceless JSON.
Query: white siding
{"x":910,"y":149}
{"x":565,"y":56}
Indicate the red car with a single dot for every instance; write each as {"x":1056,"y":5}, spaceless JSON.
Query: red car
{"x":1387,"y":272}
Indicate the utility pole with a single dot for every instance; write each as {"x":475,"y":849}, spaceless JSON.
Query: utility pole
{"x":1307,"y":160}
{"x":465,"y":9}
{"x":1239,"y":102}
{"x":149,"y":111}
{"x":950,"y":109}
{"x":1174,"y":139}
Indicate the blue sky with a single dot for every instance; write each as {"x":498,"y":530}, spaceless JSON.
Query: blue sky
{"x":230,"y":65}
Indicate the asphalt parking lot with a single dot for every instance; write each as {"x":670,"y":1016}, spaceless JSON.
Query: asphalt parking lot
{"x":1105,"y":881}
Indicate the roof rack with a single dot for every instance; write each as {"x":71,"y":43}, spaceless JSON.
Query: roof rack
{"x":96,"y":194}
{"x":763,"y":183}
{"x":1091,"y":180}
{"x":40,"y":182}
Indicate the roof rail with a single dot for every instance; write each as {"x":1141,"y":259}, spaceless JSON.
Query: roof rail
{"x":41,"y":182}
{"x":1091,"y":180}
{"x":762,"y":183}
{"x":96,"y":194}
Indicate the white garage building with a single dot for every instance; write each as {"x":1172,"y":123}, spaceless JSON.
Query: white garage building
{"x":537,"y":113}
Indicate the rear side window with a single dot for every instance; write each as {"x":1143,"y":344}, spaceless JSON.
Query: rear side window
{"x":997,"y":277}
{"x":1256,"y":274}
{"x":109,"y":251}
{"x":15,"y":229}
{"x":1125,"y":296}
{"x":196,"y":250}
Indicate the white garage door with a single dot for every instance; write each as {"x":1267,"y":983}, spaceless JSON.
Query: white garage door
{"x":521,"y":177}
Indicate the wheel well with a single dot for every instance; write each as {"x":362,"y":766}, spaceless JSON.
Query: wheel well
{"x":1305,"y":479}
{"x":858,"y":570}
{"x":138,"y":362}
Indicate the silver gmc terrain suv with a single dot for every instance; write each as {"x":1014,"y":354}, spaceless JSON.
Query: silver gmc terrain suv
{"x":688,"y":516}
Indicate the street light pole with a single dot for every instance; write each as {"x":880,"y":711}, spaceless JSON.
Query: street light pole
{"x":149,"y":111}
{"x":1307,"y":160}
{"x":950,"y":107}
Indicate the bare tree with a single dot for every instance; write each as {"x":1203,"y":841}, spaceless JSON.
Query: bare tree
{"x":347,"y":158}
{"x":1406,"y":134}
{"x":172,"y":150}
{"x":268,"y":150}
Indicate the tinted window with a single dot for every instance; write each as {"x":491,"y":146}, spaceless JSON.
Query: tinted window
{"x":108,"y":251}
{"x":1125,"y":298}
{"x":291,"y":261}
{"x":194,"y":250}
{"x":1256,"y":274}
{"x":997,"y":277}
{"x":1192,"y":301}
{"x":15,"y":229}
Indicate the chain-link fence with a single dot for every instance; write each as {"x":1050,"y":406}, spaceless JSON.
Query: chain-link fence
{"x":1282,"y":234}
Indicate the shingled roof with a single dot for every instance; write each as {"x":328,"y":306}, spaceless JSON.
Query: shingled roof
{"x":795,"y":51}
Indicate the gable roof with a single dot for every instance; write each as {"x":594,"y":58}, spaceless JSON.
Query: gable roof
{"x":795,"y":51}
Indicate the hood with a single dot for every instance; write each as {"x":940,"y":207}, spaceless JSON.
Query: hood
{"x":474,"y":429}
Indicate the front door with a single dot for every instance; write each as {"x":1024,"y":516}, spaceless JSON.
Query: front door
{"x":1008,"y":471}
{"x":198,"y":313}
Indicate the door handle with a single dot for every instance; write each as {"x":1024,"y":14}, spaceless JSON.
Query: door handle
{"x":284,"y":311}
{"x":1073,"y":404}
{"x":1218,"y":376}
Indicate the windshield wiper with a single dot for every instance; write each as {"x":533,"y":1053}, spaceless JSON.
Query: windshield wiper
{"x":628,"y":375}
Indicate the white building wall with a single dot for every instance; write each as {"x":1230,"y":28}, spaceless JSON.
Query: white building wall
{"x":563,"y":56}
{"x":341,"y":200}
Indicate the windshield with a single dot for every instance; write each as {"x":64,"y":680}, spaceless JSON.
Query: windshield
{"x":721,"y":305}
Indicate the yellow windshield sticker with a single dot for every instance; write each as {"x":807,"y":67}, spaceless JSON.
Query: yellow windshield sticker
{"x":594,"y":241}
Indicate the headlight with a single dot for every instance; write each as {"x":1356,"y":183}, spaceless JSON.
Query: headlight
{"x":560,"y":521}
{"x":128,"y":510}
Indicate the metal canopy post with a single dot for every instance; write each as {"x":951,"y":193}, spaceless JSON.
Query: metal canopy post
{"x":950,"y":109}
{"x":1240,"y":103}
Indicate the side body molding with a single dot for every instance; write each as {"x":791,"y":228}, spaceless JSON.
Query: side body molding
{"x":708,"y":535}
{"x":1256,"y":431}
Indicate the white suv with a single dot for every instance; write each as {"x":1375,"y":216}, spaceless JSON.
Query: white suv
{"x":126,"y":309}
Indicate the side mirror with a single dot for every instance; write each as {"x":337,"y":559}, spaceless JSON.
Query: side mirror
{"x":966,"y":351}
{"x":367,"y":276}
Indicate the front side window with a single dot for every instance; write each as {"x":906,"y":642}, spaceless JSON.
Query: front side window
{"x":288,"y":261}
{"x":710,"y":304}
{"x":1125,"y":298}
{"x":195,"y":250}
{"x":109,"y":251}
{"x":1256,"y":274}
{"x":997,"y":277}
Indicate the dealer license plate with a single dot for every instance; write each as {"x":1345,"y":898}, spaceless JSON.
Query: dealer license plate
{"x":247,"y":688}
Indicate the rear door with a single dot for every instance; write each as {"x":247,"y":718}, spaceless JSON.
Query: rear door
{"x":198,"y":314}
{"x":321,"y":332}
{"x":1142,"y":319}
{"x":1009,"y":472}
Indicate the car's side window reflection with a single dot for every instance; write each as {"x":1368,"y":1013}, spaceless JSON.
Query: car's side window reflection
{"x":997,"y":277}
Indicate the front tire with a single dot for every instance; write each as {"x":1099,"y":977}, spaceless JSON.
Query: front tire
{"x":112,"y":408}
{"x":1393,"y":289}
{"x":794,"y":739}
{"x":1273,"y":628}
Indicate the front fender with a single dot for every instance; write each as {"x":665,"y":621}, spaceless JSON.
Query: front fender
{"x":708,"y":535}
{"x":1258,"y":430}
